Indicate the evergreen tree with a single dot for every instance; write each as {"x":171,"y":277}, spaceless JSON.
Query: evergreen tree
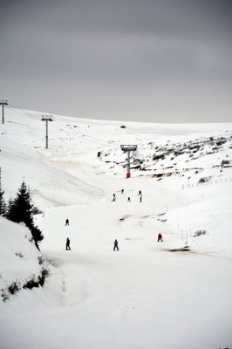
{"x":2,"y":201}
{"x":36,"y":234}
{"x":21,"y":210}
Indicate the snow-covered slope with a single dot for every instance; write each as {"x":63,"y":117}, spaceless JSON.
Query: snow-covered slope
{"x":19,"y":257}
{"x":149,"y":294}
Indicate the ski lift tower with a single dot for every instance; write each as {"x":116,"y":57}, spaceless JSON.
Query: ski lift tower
{"x":3,"y":103}
{"x":127,"y":149}
{"x":46,"y":118}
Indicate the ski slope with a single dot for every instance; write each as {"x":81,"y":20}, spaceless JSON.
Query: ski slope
{"x":147,"y":295}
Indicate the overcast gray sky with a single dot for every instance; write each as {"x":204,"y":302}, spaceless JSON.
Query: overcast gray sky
{"x":130,"y":60}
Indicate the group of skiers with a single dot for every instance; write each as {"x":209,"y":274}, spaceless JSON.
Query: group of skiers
{"x":159,"y":239}
{"x":67,"y":240}
{"x":128,"y":199}
{"x":116,"y":247}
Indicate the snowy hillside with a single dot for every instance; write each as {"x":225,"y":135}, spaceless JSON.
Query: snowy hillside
{"x":171,"y":294}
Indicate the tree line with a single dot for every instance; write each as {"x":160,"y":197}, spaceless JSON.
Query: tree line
{"x":21,"y":209}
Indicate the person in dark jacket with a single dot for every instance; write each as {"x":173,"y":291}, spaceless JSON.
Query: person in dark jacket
{"x":160,"y":238}
{"x":116,"y":245}
{"x":68,"y":244}
{"x":66,"y":222}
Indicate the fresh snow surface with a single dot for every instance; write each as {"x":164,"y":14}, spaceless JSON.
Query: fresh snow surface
{"x":174,"y":294}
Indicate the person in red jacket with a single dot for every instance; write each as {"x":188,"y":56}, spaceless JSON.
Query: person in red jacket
{"x":160,"y":238}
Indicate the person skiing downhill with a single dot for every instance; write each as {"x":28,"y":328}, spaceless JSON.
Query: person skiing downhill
{"x":66,"y":222}
{"x":116,"y":245}
{"x":68,"y":244}
{"x":160,"y":238}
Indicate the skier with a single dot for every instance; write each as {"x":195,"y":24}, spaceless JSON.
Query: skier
{"x":122,"y":191}
{"x":116,"y":245}
{"x":114,"y":197}
{"x":66,"y":222}
{"x":160,"y":238}
{"x":128,"y":199}
{"x":68,"y":244}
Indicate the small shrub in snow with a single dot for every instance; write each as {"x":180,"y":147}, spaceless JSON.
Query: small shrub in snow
{"x":40,"y":260}
{"x":31,"y":284}
{"x":39,"y":282}
{"x":13,"y":288}
{"x":225,"y":162}
{"x":204,"y":180}
{"x":221,"y":142}
{"x":42,"y":276}
{"x":158,"y":157}
{"x":4,"y":295}
{"x":19,"y":254}
{"x":199,"y":233}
